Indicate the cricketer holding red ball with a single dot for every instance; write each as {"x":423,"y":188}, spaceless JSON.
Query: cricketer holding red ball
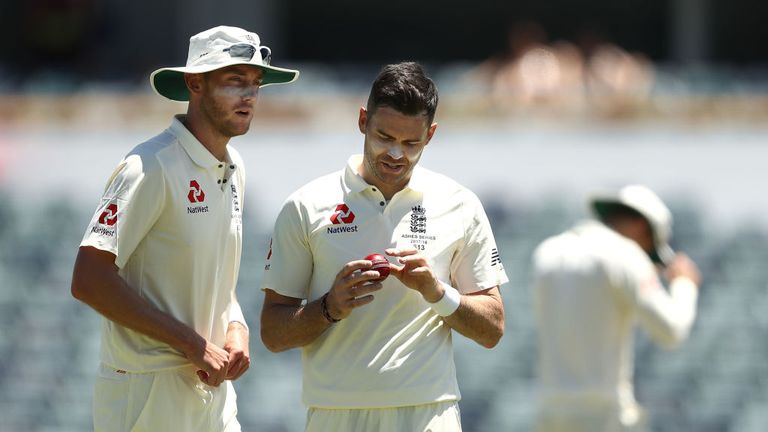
{"x":378,"y":356}
{"x":380,"y":264}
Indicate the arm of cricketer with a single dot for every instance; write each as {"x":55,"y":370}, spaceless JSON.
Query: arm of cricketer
{"x":669,"y":315}
{"x":480,"y":315}
{"x":287,"y":323}
{"x":96,"y":282}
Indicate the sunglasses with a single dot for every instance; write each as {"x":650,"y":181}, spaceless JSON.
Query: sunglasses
{"x":246,"y":51}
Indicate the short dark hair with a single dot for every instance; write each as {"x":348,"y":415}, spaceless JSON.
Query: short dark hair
{"x":406,"y":88}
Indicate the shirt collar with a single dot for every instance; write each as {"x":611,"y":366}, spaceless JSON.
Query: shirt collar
{"x":354,"y":182}
{"x":194,"y":148}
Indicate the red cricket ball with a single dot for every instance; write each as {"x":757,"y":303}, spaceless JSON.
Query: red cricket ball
{"x":380,"y":264}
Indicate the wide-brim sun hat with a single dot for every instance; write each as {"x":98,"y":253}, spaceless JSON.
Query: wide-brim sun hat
{"x":650,"y":206}
{"x":217,"y":48}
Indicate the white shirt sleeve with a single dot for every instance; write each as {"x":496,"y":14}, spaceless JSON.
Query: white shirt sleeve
{"x":667,"y":316}
{"x":132,"y":202}
{"x":289,"y":265}
{"x":236,"y":313}
{"x":477,"y":264}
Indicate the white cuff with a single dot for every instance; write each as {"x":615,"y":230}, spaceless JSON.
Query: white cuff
{"x":242,"y":323}
{"x":236,"y":315}
{"x":448,"y":303}
{"x":682,"y":287}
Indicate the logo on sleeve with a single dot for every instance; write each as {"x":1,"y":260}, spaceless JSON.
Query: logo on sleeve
{"x":495,"y":258}
{"x":109,"y":216}
{"x":269,"y":256}
{"x":196,"y":195}
{"x":107,"y":221}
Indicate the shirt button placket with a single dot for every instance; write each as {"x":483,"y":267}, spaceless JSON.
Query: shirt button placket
{"x":220,"y":175}
{"x":382,"y":202}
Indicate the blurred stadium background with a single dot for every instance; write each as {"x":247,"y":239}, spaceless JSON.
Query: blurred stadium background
{"x":541,"y":103}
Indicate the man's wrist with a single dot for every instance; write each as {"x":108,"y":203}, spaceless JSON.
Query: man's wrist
{"x":448,"y":303}
{"x":435,"y":294}
{"x":234,"y":325}
{"x":324,"y":310}
{"x":191,"y":344}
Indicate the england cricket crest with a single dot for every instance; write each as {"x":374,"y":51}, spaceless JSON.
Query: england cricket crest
{"x":418,"y":219}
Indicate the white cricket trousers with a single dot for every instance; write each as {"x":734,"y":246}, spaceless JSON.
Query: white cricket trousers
{"x":436,"y":417}
{"x":589,"y":415}
{"x":169,"y":400}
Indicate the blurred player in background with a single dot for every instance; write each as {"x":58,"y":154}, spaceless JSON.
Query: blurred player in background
{"x":378,"y":356}
{"x":161,"y":256}
{"x":592,"y":284}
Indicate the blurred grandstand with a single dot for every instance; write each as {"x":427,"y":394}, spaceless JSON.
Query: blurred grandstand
{"x":718,"y":381}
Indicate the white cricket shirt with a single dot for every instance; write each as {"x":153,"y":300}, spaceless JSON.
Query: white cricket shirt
{"x":394,"y":351}
{"x":591,"y":286}
{"x":171,"y":213}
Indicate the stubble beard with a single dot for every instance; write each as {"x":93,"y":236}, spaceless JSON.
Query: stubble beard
{"x":372,"y":164}
{"x":217,"y":117}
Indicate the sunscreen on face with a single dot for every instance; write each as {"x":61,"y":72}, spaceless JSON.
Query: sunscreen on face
{"x":242,"y":92}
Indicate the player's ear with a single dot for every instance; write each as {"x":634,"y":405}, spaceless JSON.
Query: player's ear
{"x":194,"y":82}
{"x":362,"y":120}
{"x":431,"y":132}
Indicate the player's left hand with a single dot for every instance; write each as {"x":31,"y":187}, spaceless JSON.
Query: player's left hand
{"x":416,"y":273}
{"x":236,"y":345}
{"x":683,"y":266}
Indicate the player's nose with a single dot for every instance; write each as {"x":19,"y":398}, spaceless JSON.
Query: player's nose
{"x":395,"y":151}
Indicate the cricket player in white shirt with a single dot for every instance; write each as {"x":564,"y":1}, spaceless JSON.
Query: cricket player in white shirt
{"x":161,"y":256}
{"x":592,"y":285}
{"x":377,"y":355}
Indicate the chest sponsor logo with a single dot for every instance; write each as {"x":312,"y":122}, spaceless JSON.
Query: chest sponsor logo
{"x":196,"y":195}
{"x":342,"y":217}
{"x":107,"y":221}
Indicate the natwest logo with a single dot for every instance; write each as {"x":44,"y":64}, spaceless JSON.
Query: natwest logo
{"x":342,"y":215}
{"x":195,"y":195}
{"x":109,"y":215}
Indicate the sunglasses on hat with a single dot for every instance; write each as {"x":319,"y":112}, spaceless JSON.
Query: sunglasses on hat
{"x":247,"y":51}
